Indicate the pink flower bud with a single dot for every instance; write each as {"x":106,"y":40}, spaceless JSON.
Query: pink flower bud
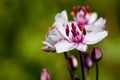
{"x":73,"y":62}
{"x":45,"y":75}
{"x":88,"y":61}
{"x":96,"y":54}
{"x":48,"y":49}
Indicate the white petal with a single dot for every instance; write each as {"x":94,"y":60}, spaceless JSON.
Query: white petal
{"x":91,"y":17}
{"x":61,"y":17}
{"x":100,"y":21}
{"x":95,"y":37}
{"x":64,"y":46}
{"x":55,"y":35}
{"x":82,"y":47}
{"x":99,"y":24}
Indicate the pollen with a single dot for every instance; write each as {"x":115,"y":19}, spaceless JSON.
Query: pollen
{"x":73,"y":13}
{"x":90,"y":14}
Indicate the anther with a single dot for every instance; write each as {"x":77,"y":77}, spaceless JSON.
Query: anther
{"x":75,"y":10}
{"x":84,"y":31}
{"x":84,"y":10}
{"x":88,"y":9}
{"x":67,"y":30}
{"x":73,"y":27}
{"x":79,"y":8}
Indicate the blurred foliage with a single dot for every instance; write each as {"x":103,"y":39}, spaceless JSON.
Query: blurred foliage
{"x":23,"y":25}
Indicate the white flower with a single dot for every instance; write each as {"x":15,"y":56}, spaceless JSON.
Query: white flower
{"x":54,"y":35}
{"x":83,"y":16}
{"x":74,"y":35}
{"x":77,"y":37}
{"x":51,"y":39}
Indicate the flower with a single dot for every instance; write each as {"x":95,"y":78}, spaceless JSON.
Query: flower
{"x":73,"y":62}
{"x":66,"y":36}
{"x":54,"y":35}
{"x":88,"y":61}
{"x":77,"y":37}
{"x":96,"y":54}
{"x":84,"y":16}
{"x":45,"y":75}
{"x":52,"y":38}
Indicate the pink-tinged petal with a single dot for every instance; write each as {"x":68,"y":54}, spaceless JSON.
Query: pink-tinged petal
{"x":91,"y":17}
{"x":64,"y":46}
{"x":61,"y":17}
{"x":95,"y":37}
{"x":99,"y":24}
{"x":82,"y":47}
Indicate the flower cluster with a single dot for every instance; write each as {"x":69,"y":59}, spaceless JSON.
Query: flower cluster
{"x":85,"y":29}
{"x":64,"y":35}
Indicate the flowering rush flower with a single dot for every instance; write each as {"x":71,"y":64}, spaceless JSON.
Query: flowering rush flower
{"x":84,"y":30}
{"x":84,"y":17}
{"x":53,"y":36}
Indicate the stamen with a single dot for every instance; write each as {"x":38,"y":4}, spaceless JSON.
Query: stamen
{"x":73,"y":27}
{"x":82,"y":28}
{"x":73,"y":32}
{"x":84,"y":10}
{"x":79,"y":8}
{"x":73,"y":13}
{"x":88,"y":9}
{"x":84,"y":31}
{"x":75,"y":10}
{"x":67,"y":30}
{"x":79,"y":26}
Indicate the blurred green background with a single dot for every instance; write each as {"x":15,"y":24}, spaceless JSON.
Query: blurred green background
{"x":23,"y":25}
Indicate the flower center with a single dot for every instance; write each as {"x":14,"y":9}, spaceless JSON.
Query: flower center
{"x":75,"y":33}
{"x":79,"y":14}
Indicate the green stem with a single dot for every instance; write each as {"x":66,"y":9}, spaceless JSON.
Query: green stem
{"x":68,"y":65}
{"x":82,"y":65}
{"x":97,"y":70}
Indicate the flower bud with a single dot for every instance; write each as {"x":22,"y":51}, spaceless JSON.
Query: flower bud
{"x":76,"y":78}
{"x":48,"y":49}
{"x":88,"y":61}
{"x":73,"y":62}
{"x":45,"y":75}
{"x":96,"y":54}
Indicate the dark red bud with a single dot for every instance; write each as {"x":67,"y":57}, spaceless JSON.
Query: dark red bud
{"x":96,"y":54}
